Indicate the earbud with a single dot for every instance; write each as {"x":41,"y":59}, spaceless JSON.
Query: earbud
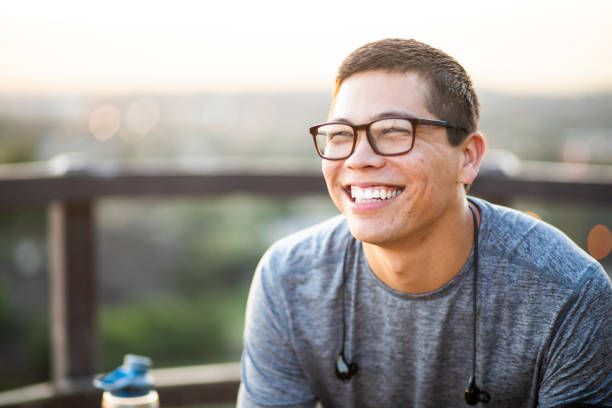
{"x":344,"y":370}
{"x":473,"y":395}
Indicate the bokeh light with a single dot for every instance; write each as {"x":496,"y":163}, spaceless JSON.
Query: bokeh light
{"x":534,"y":215}
{"x":599,"y":241}
{"x":576,"y":151}
{"x":28,"y":257}
{"x":142,"y":115}
{"x":104,"y":122}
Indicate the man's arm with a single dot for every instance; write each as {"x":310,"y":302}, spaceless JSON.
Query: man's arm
{"x":578,"y":366}
{"x":271,"y":374}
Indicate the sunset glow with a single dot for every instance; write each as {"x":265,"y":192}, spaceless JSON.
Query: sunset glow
{"x":69,"y":46}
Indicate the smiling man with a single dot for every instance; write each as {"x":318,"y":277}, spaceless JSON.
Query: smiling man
{"x":418,"y":296}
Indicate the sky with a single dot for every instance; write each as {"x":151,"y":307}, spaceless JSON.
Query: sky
{"x":518,"y":47}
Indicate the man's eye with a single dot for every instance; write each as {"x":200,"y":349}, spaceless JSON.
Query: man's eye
{"x":396,"y":130}
{"x":340,"y":136}
{"x":394,"y":134}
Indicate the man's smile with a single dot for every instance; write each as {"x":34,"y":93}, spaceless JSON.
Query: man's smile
{"x":373,"y":193}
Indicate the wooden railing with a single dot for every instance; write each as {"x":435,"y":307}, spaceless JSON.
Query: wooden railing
{"x":71,"y":189}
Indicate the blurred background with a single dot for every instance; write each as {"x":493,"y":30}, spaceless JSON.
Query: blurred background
{"x":189,"y":82}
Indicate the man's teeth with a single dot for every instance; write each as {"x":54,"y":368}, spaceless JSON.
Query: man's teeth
{"x":369,"y":194}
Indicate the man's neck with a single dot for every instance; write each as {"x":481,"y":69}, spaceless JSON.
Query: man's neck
{"x":426,"y":262}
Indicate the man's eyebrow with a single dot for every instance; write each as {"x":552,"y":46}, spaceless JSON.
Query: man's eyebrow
{"x":381,"y":115}
{"x":390,"y":114}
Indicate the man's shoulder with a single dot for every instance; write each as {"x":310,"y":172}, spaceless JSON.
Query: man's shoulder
{"x":319,"y":244}
{"x":533,"y":245}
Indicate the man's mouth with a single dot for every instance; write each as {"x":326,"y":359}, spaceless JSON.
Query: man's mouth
{"x":374,"y":193}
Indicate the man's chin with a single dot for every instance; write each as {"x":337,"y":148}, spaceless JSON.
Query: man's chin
{"x":369,"y":233}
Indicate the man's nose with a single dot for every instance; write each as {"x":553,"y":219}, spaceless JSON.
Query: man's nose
{"x":364,"y":156}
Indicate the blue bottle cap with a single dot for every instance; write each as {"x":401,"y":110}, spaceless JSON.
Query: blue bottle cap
{"x":132,"y":379}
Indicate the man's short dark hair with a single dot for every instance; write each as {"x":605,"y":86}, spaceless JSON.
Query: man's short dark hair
{"x":451,"y":96}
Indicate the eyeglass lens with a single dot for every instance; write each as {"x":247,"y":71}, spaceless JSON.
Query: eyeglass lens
{"x":389,"y":136}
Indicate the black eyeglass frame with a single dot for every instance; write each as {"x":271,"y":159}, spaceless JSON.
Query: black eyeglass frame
{"x":413,"y":121}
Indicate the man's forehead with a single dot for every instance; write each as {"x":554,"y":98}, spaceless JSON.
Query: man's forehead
{"x":372,"y":94}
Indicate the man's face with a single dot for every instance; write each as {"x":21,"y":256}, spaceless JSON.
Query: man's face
{"x":421,"y":187}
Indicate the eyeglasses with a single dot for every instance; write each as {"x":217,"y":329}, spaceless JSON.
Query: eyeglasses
{"x":391,"y":136}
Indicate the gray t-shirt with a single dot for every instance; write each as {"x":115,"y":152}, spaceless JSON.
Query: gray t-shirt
{"x":544,"y":324}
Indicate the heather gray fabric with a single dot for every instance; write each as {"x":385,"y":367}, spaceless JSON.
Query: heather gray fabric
{"x":544,"y":324}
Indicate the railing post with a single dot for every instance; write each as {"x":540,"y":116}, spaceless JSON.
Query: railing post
{"x":73,"y":290}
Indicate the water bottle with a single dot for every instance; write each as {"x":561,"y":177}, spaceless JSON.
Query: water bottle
{"x":129,"y":386}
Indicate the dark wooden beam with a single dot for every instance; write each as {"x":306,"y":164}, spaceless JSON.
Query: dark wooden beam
{"x":40,"y":190}
{"x":73,"y":289}
{"x":19,"y":186}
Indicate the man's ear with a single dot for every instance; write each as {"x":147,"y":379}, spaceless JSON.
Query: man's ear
{"x":473,"y":149}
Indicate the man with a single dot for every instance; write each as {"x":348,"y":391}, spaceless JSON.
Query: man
{"x":418,"y":296}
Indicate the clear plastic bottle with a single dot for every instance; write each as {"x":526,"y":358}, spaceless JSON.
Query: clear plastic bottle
{"x":129,"y":386}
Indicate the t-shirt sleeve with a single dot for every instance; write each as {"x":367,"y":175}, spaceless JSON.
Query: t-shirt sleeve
{"x":271,"y":374}
{"x":578,"y":365}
